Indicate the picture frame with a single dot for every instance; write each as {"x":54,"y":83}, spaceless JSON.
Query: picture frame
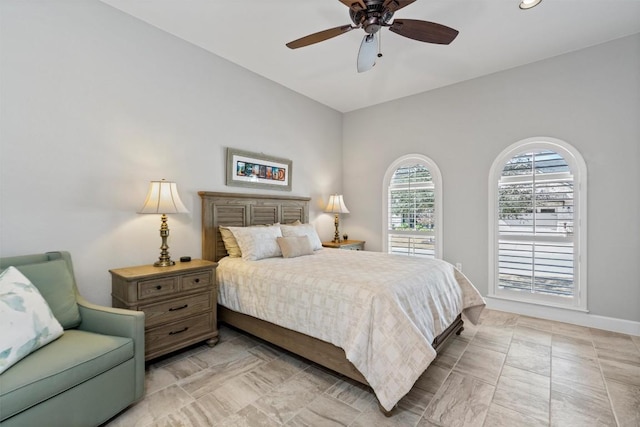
{"x":257,"y":170}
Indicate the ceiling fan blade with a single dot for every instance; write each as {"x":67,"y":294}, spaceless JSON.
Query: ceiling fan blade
{"x":423,"y":31}
{"x":319,"y":36}
{"x":354,"y":5}
{"x":367,"y":53}
{"x":393,"y":5}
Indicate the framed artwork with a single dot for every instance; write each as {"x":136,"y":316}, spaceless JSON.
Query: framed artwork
{"x":246,"y":169}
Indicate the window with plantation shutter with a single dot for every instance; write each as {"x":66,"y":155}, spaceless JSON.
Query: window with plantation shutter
{"x":538,"y":208}
{"x":413,"y":204}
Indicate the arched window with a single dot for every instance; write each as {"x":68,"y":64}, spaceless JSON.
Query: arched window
{"x":537,"y":220}
{"x":412,"y":215}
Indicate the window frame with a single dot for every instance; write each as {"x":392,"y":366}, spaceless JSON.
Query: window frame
{"x":578,"y":170}
{"x":436,"y":178}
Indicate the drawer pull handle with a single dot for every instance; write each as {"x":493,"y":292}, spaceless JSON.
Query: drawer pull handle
{"x":159,"y":287}
{"x":197,"y":280}
{"x":180,"y":331}
{"x":179,"y":308}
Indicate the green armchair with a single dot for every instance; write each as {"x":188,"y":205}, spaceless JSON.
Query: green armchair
{"x":88,"y":375}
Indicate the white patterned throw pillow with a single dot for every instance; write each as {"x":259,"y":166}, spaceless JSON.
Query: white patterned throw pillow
{"x":258,"y":242}
{"x":26,"y":321}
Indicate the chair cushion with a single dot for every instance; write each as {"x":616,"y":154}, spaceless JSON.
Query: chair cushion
{"x":55,"y":282}
{"x":74,"y":358}
{"x":26,"y":321}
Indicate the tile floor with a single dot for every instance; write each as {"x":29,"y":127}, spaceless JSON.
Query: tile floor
{"x":508,"y":370}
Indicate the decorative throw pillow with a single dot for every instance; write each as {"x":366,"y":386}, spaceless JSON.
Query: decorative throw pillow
{"x":26,"y":321}
{"x":303,"y":230}
{"x":258,"y":242}
{"x":295,"y":246}
{"x":55,"y":283}
{"x":230,"y":243}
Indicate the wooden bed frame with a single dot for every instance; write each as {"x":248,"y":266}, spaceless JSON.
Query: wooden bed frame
{"x":241,"y":210}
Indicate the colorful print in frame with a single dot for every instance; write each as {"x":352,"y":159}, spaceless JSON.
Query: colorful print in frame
{"x":247,"y":169}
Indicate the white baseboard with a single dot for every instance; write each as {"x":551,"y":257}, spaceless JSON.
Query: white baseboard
{"x":568,"y":316}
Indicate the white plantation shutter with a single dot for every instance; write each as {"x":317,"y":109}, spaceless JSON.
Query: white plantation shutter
{"x":535,"y":214}
{"x":412,"y":209}
{"x":536,"y":219}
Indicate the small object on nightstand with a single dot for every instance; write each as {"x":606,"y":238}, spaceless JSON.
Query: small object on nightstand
{"x":354,"y":245}
{"x":179,"y":303}
{"x":345,"y":237}
{"x":185,"y":258}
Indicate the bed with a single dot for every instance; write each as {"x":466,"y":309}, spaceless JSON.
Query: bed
{"x":386,"y":351}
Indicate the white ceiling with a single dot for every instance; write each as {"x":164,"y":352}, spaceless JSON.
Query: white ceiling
{"x":494,"y":35}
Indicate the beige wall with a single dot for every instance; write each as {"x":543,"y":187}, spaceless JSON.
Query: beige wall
{"x":95,"y":104}
{"x":589,"y":98}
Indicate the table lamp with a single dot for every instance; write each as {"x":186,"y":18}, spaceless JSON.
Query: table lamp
{"x":336,"y":206}
{"x":163,"y":198}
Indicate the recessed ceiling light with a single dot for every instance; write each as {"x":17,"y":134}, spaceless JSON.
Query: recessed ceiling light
{"x":528,"y":4}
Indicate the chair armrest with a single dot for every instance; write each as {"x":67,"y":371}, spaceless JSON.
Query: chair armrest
{"x":117,"y":322}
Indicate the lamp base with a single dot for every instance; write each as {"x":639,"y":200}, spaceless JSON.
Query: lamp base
{"x":165,"y":259}
{"x":336,"y":236}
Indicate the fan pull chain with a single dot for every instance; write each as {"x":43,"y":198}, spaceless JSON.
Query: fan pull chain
{"x":379,"y":44}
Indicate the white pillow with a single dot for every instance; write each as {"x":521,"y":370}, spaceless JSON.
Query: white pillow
{"x":295,"y":246}
{"x":303,"y":230}
{"x":258,"y":242}
{"x":26,"y":321}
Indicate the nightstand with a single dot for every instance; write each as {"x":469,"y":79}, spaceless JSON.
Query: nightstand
{"x":354,"y":245}
{"x":179,"y":303}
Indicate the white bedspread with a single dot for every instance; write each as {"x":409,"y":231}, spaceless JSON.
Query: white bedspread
{"x":383,"y":310}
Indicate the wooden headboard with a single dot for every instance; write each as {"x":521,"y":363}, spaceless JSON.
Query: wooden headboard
{"x":242,"y":210}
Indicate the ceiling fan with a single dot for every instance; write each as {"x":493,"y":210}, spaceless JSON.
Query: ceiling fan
{"x":371,"y":15}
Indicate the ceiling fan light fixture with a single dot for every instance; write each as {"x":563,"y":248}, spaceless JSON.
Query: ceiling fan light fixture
{"x":367,"y":53}
{"x":528,"y":4}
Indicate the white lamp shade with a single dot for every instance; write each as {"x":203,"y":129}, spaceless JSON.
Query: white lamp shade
{"x":163,"y":198}
{"x":336,"y":204}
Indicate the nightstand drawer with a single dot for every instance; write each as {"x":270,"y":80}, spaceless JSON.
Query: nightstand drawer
{"x":176,"y":309}
{"x":196,"y":280}
{"x":168,"y":336}
{"x":157,"y":287}
{"x":353,"y":247}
